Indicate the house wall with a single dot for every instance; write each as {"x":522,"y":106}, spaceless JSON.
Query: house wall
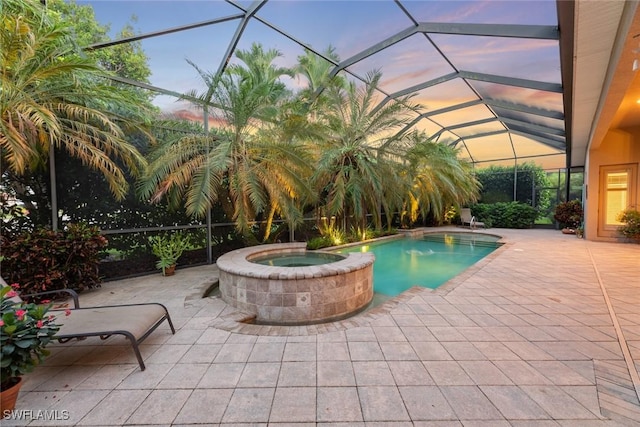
{"x":619,"y":147}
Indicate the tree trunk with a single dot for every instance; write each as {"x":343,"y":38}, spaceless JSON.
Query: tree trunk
{"x":267,"y":230}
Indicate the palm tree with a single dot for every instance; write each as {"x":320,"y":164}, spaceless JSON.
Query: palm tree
{"x":317,"y":72}
{"x":437,"y":177}
{"x":242,"y":165}
{"x":50,"y":96}
{"x":356,"y":165}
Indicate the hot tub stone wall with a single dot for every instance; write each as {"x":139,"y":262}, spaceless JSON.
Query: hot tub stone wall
{"x":295,"y":295}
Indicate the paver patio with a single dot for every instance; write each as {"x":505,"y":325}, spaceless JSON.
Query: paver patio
{"x":543,"y":332}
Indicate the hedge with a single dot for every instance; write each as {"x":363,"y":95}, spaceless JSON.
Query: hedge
{"x":505,"y":214}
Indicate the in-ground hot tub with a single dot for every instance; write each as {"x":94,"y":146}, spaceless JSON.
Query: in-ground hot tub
{"x":286,"y":285}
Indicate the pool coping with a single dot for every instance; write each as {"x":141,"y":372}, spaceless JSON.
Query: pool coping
{"x":239,"y":262}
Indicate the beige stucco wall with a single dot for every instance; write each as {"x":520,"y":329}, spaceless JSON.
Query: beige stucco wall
{"x":619,"y":147}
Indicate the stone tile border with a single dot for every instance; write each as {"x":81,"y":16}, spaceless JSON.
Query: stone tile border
{"x":295,"y":295}
{"x":236,"y":321}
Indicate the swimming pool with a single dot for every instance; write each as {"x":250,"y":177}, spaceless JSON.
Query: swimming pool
{"x":429,"y":261}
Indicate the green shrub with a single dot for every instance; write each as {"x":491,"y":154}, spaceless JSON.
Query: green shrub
{"x":569,"y":214}
{"x":483,"y":213}
{"x":168,"y":248}
{"x":505,"y":214}
{"x":336,"y":238}
{"x":44,"y":260}
{"x":631,"y":227}
{"x":498,"y":184}
{"x":319,"y":243}
{"x":357,"y":234}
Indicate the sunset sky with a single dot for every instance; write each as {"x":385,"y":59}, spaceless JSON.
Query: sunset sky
{"x":353,"y":26}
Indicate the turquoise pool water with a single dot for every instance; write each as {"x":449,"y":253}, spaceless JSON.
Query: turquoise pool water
{"x":429,"y":261}
{"x":297,"y":260}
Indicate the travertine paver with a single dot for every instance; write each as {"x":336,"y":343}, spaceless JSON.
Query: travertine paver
{"x":107,"y":377}
{"x":338,"y":404}
{"x":514,"y":403}
{"x":410,"y":373}
{"x":484,"y":372}
{"x":183,"y":376}
{"x":299,"y":351}
{"x":333,"y":351}
{"x":470,"y":403}
{"x":145,"y":380}
{"x":446,"y":373}
{"x":222,"y":375}
{"x":78,"y":403}
{"x":382,"y":403}
{"x":335,"y":373}
{"x":115,"y":408}
{"x":205,"y":406}
{"x":526,"y":337}
{"x":201,"y":353}
{"x":297,"y":374}
{"x":365,"y":350}
{"x":161,"y":406}
{"x":249,"y":405}
{"x":267,"y":352}
{"x":260,"y":374}
{"x":294,"y":404}
{"x":557,"y":403}
{"x":373,"y":373}
{"x":426,"y":403}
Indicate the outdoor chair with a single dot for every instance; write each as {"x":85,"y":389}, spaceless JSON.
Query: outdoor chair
{"x":135,"y":321}
{"x":469,"y":220}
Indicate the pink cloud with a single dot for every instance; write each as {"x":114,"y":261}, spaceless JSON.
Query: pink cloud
{"x":465,"y":11}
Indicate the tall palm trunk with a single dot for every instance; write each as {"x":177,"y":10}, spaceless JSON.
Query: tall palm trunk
{"x":269,"y":222}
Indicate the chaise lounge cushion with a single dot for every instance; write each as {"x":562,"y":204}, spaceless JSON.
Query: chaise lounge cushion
{"x":137,"y":320}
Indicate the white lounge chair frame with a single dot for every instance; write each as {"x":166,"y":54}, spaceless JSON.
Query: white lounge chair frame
{"x":469,"y":220}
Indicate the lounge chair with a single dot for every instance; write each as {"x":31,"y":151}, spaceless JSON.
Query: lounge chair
{"x":469,"y":220}
{"x":135,"y":321}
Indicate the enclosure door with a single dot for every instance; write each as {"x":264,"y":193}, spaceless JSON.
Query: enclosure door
{"x":617,"y":193}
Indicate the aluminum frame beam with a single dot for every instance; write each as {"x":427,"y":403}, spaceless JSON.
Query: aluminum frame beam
{"x":559,"y":115}
{"x":453,"y":108}
{"x":558,"y":145}
{"x":147,"y":86}
{"x":512,"y":81}
{"x":532,"y":126}
{"x":251,"y":11}
{"x":490,"y":78}
{"x":544,"y":32}
{"x":148,"y":35}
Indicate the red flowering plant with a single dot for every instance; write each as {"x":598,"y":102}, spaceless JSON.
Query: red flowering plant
{"x":25,"y":331}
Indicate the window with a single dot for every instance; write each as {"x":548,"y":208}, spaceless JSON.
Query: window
{"x":616,"y":194}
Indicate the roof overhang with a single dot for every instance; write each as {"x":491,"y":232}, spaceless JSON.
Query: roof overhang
{"x":606,"y":38}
